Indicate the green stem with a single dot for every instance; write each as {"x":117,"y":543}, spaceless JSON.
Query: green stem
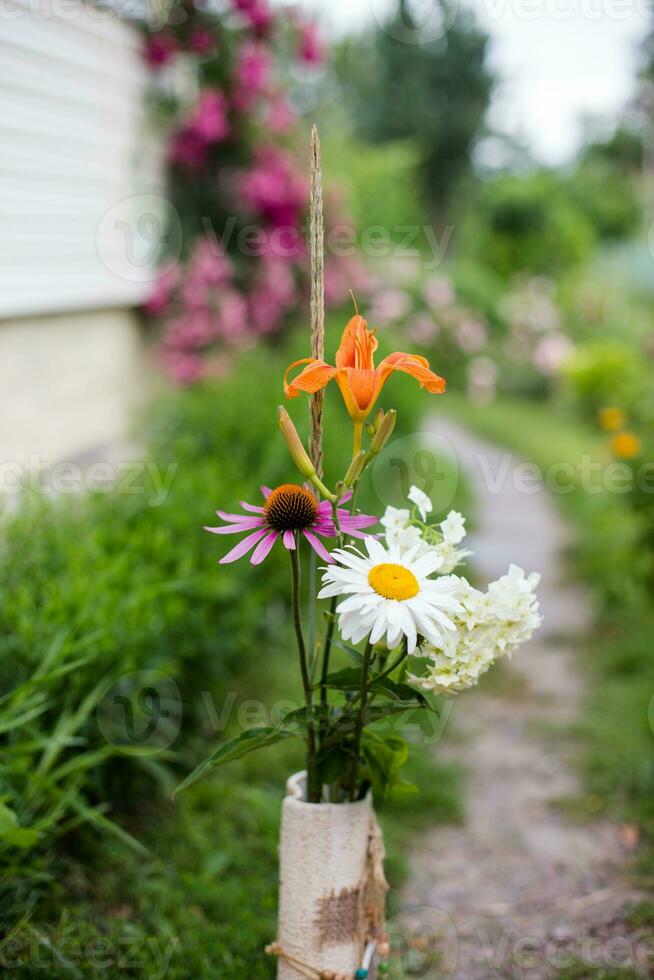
{"x":356,"y":445}
{"x":360,"y":720}
{"x":313,"y":795}
{"x":327,"y":651}
{"x":393,"y":666}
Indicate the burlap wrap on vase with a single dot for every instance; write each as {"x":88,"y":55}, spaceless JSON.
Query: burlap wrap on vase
{"x":332,"y":885}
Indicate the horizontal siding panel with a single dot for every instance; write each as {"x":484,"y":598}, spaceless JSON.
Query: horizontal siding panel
{"x":75,"y":145}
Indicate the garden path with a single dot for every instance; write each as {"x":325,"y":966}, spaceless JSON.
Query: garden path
{"x":521,"y":889}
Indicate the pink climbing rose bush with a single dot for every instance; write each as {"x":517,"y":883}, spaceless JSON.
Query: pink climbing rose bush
{"x":220,"y":80}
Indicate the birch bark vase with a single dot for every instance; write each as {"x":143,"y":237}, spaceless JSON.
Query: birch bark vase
{"x":331,"y":897}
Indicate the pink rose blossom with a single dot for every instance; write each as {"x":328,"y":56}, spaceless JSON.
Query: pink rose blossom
{"x":251,"y":75}
{"x":310,"y":48}
{"x":281,"y":117}
{"x":273,"y":189}
{"x":159,"y":49}
{"x":210,"y":265}
{"x":209,"y":120}
{"x":183,"y":368}
{"x":162,"y":292}
{"x":256,"y":12}
{"x":207,"y":124}
{"x":202,"y":41}
{"x":233,"y":316}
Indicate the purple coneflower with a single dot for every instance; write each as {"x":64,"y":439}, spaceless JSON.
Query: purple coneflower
{"x":288,"y":510}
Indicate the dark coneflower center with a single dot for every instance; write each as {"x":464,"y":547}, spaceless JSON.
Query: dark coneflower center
{"x":290,"y":508}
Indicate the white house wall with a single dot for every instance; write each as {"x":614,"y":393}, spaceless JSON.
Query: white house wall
{"x":79,"y":168}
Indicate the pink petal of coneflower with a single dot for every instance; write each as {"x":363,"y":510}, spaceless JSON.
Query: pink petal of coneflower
{"x":235,"y":518}
{"x":266,"y":491}
{"x":262,"y":549}
{"x":289,"y":540}
{"x":317,"y":546}
{"x":354,"y":533}
{"x":243,"y":546}
{"x":251,"y":507}
{"x":235,"y":528}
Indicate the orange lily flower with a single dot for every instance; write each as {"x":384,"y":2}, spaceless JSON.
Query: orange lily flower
{"x":357,"y":377}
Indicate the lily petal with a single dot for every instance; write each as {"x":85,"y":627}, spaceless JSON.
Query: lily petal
{"x":314,"y":377}
{"x":417,"y":367}
{"x":358,"y":345}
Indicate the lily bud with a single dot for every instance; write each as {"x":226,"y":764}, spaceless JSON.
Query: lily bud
{"x":371,"y":427}
{"x":384,"y":432}
{"x":356,"y":468}
{"x":299,"y":455}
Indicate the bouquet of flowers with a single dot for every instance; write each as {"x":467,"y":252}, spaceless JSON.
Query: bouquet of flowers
{"x":393,"y":604}
{"x":410,"y":625}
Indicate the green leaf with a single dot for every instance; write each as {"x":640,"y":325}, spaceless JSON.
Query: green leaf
{"x":12,"y":833}
{"x":396,"y":689}
{"x":236,"y":748}
{"x":375,"y":712}
{"x":350,"y":650}
{"x":348,"y":679}
{"x":384,"y":757}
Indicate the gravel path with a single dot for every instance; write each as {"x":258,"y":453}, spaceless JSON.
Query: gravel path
{"x":520,"y":890}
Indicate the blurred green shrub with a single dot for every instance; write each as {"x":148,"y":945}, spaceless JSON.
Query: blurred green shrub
{"x":608,"y":371}
{"x":380,"y":183}
{"x":607,"y":198}
{"x":530,"y":224}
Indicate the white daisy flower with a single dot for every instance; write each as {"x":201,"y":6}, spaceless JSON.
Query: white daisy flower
{"x":389,"y":594}
{"x":453,"y":527}
{"x":422,"y":501}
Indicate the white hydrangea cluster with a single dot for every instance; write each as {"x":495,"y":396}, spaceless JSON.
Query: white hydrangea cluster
{"x":490,"y":625}
{"x":403,"y":531}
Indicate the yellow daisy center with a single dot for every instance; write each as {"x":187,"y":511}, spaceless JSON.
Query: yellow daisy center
{"x":393,"y":581}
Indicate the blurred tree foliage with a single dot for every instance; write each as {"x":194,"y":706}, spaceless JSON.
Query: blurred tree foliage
{"x":402,"y":84}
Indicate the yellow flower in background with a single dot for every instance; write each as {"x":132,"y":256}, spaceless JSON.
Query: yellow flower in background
{"x":611,"y":419}
{"x":625,"y":445}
